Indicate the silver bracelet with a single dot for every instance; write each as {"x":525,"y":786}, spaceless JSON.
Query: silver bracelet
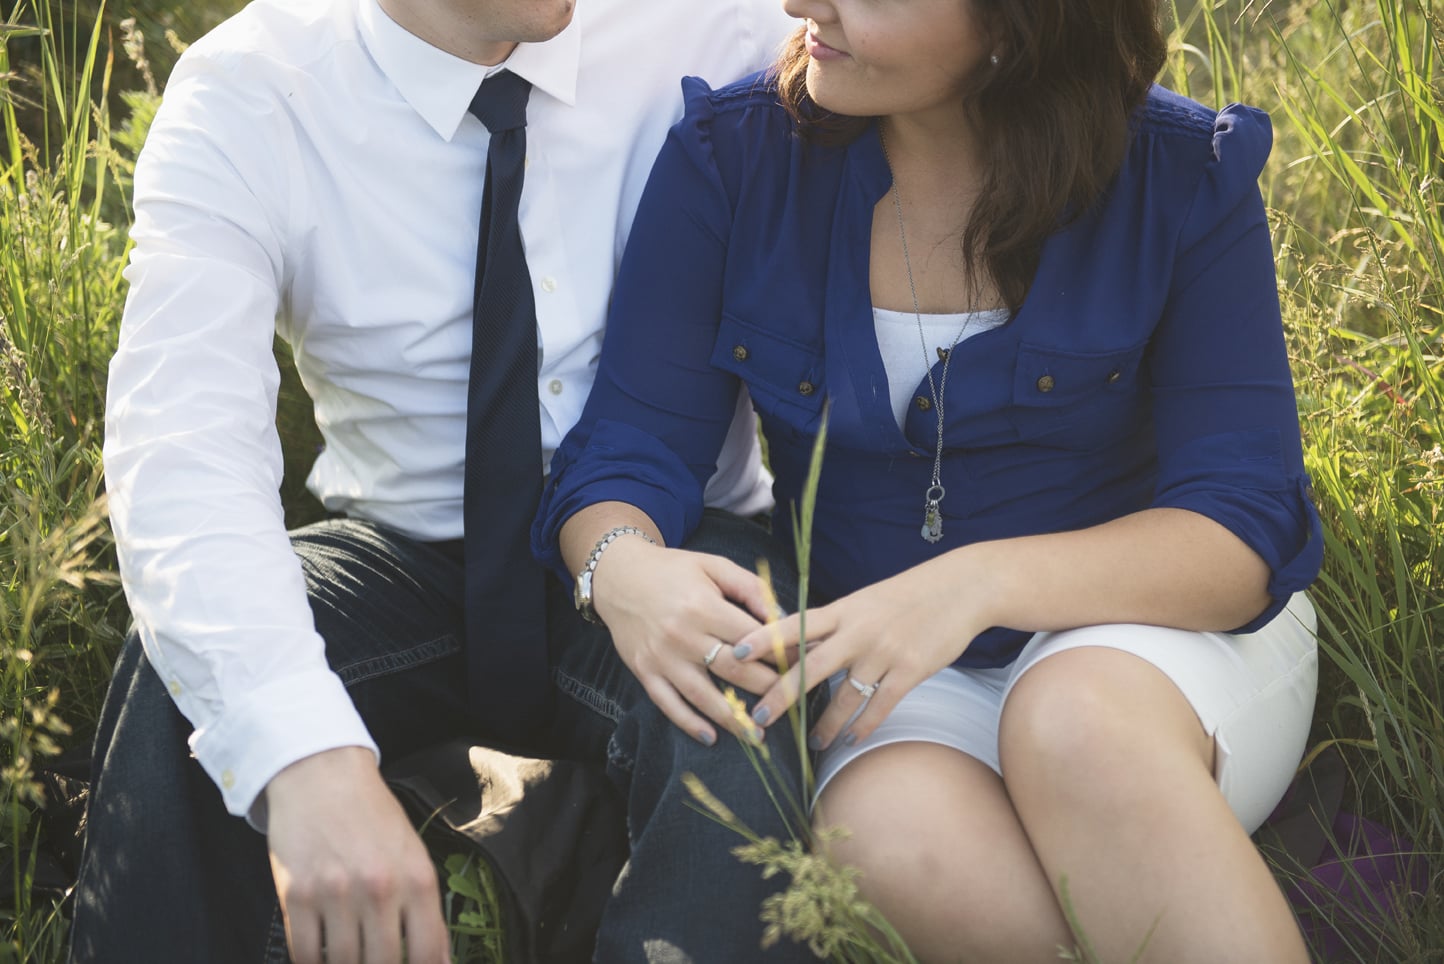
{"x":582,"y":594}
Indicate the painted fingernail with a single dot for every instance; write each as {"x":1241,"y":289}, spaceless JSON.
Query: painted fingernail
{"x":741,"y":652}
{"x":761,"y":715}
{"x":850,"y":739}
{"x":814,"y":742}
{"x":756,"y":734}
{"x":707,"y":739}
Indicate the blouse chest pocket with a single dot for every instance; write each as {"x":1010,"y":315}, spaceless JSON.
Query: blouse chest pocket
{"x":1076,"y":400}
{"x":783,"y":376}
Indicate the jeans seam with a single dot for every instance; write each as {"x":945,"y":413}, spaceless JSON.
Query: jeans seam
{"x":388,"y":663}
{"x":276,"y":953}
{"x":588,"y":696}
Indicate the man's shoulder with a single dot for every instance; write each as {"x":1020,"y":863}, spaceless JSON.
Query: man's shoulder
{"x":279,"y":33}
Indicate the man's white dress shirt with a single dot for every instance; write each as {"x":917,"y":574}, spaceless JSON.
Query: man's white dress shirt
{"x":314,"y":170}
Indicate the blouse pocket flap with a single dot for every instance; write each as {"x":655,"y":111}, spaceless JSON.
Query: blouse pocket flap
{"x":772,"y":365}
{"x":1049,"y":378}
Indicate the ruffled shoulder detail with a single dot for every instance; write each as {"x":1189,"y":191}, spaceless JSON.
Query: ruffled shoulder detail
{"x":693,"y":133}
{"x":1226,"y":151}
{"x":724,"y":132}
{"x":1240,"y":136}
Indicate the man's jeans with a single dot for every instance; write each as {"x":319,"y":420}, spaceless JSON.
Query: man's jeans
{"x":169,"y":876}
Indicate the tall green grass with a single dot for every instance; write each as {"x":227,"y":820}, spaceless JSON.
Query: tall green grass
{"x":1357,"y":96}
{"x":60,"y":296}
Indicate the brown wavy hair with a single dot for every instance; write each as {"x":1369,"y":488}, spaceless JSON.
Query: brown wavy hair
{"x":1069,"y":75}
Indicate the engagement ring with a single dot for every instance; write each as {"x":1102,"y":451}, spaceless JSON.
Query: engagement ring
{"x":866,"y":689}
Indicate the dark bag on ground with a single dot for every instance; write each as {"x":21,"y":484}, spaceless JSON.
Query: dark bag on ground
{"x":1346,"y":877}
{"x":552,"y":833}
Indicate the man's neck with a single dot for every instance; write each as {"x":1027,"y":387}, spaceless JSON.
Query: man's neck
{"x":460,"y":35}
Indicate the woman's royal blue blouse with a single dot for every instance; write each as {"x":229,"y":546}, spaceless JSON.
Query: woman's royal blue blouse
{"x":1146,"y":368}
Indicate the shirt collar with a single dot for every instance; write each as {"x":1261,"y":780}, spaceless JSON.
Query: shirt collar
{"x":440,"y":86}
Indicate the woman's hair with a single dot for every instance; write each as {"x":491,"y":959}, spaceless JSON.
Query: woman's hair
{"x":1051,"y":118}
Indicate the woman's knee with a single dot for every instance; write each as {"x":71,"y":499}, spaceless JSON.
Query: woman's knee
{"x":1092,"y":718}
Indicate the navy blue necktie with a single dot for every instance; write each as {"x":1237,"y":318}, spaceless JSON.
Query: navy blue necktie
{"x":505,"y":587}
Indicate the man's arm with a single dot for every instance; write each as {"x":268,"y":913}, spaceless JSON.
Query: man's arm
{"x":193,"y":468}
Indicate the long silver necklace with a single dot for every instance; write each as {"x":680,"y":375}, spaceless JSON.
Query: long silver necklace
{"x":932,"y":528}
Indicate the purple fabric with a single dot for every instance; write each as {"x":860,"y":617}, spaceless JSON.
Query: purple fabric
{"x":1347,"y":878}
{"x":1364,"y":879}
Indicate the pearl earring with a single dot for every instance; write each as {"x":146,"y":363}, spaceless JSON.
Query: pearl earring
{"x":993,"y":60}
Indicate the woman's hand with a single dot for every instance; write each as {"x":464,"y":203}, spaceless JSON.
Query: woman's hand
{"x":672,"y":612}
{"x":891,"y":635}
{"x":1162,"y":567}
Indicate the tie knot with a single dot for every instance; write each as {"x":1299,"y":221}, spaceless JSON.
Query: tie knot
{"x":500,"y":102}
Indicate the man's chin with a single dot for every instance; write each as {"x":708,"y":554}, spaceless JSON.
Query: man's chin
{"x":558,"y":16}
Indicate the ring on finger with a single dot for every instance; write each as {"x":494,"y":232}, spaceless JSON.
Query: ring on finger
{"x":712,"y":654}
{"x":866,"y":690}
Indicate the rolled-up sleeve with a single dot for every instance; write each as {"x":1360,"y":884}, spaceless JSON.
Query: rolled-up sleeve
{"x":666,"y":414}
{"x":1224,"y":407}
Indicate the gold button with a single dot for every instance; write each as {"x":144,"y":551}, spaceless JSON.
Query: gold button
{"x":739,"y":352}
{"x":923,"y":403}
{"x":1114,"y":375}
{"x":805,"y":388}
{"x":175,"y":688}
{"x":1046,"y":383}
{"x":228,"y":779}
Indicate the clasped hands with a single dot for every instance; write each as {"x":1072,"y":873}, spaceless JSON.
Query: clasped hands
{"x":678,"y":618}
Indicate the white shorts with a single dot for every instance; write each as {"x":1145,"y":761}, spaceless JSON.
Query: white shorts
{"x":1254,"y":694}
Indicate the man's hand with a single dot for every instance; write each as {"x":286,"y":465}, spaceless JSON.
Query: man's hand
{"x":354,"y":879}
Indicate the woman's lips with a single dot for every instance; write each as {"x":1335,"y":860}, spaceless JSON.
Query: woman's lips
{"x":818,"y":50}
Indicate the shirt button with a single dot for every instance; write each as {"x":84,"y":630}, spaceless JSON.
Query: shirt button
{"x":739,"y":352}
{"x":1046,"y":383}
{"x":549,"y":284}
{"x":1114,"y":375}
{"x":228,"y":780}
{"x":555,"y":386}
{"x":923,"y":403}
{"x":175,"y":688}
{"x":805,"y":388}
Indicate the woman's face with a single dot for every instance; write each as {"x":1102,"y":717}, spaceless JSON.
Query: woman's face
{"x":881,"y":57}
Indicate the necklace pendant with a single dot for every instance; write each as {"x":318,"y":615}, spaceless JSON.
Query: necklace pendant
{"x":932,"y":522}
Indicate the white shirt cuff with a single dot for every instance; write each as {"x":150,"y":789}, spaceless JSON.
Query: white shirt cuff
{"x":278,"y":724}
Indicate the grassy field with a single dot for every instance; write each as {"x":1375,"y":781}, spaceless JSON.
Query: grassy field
{"x":1356,"y":91}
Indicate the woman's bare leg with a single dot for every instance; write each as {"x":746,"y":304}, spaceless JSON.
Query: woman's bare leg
{"x":942,"y":855}
{"x":1111,"y":774}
